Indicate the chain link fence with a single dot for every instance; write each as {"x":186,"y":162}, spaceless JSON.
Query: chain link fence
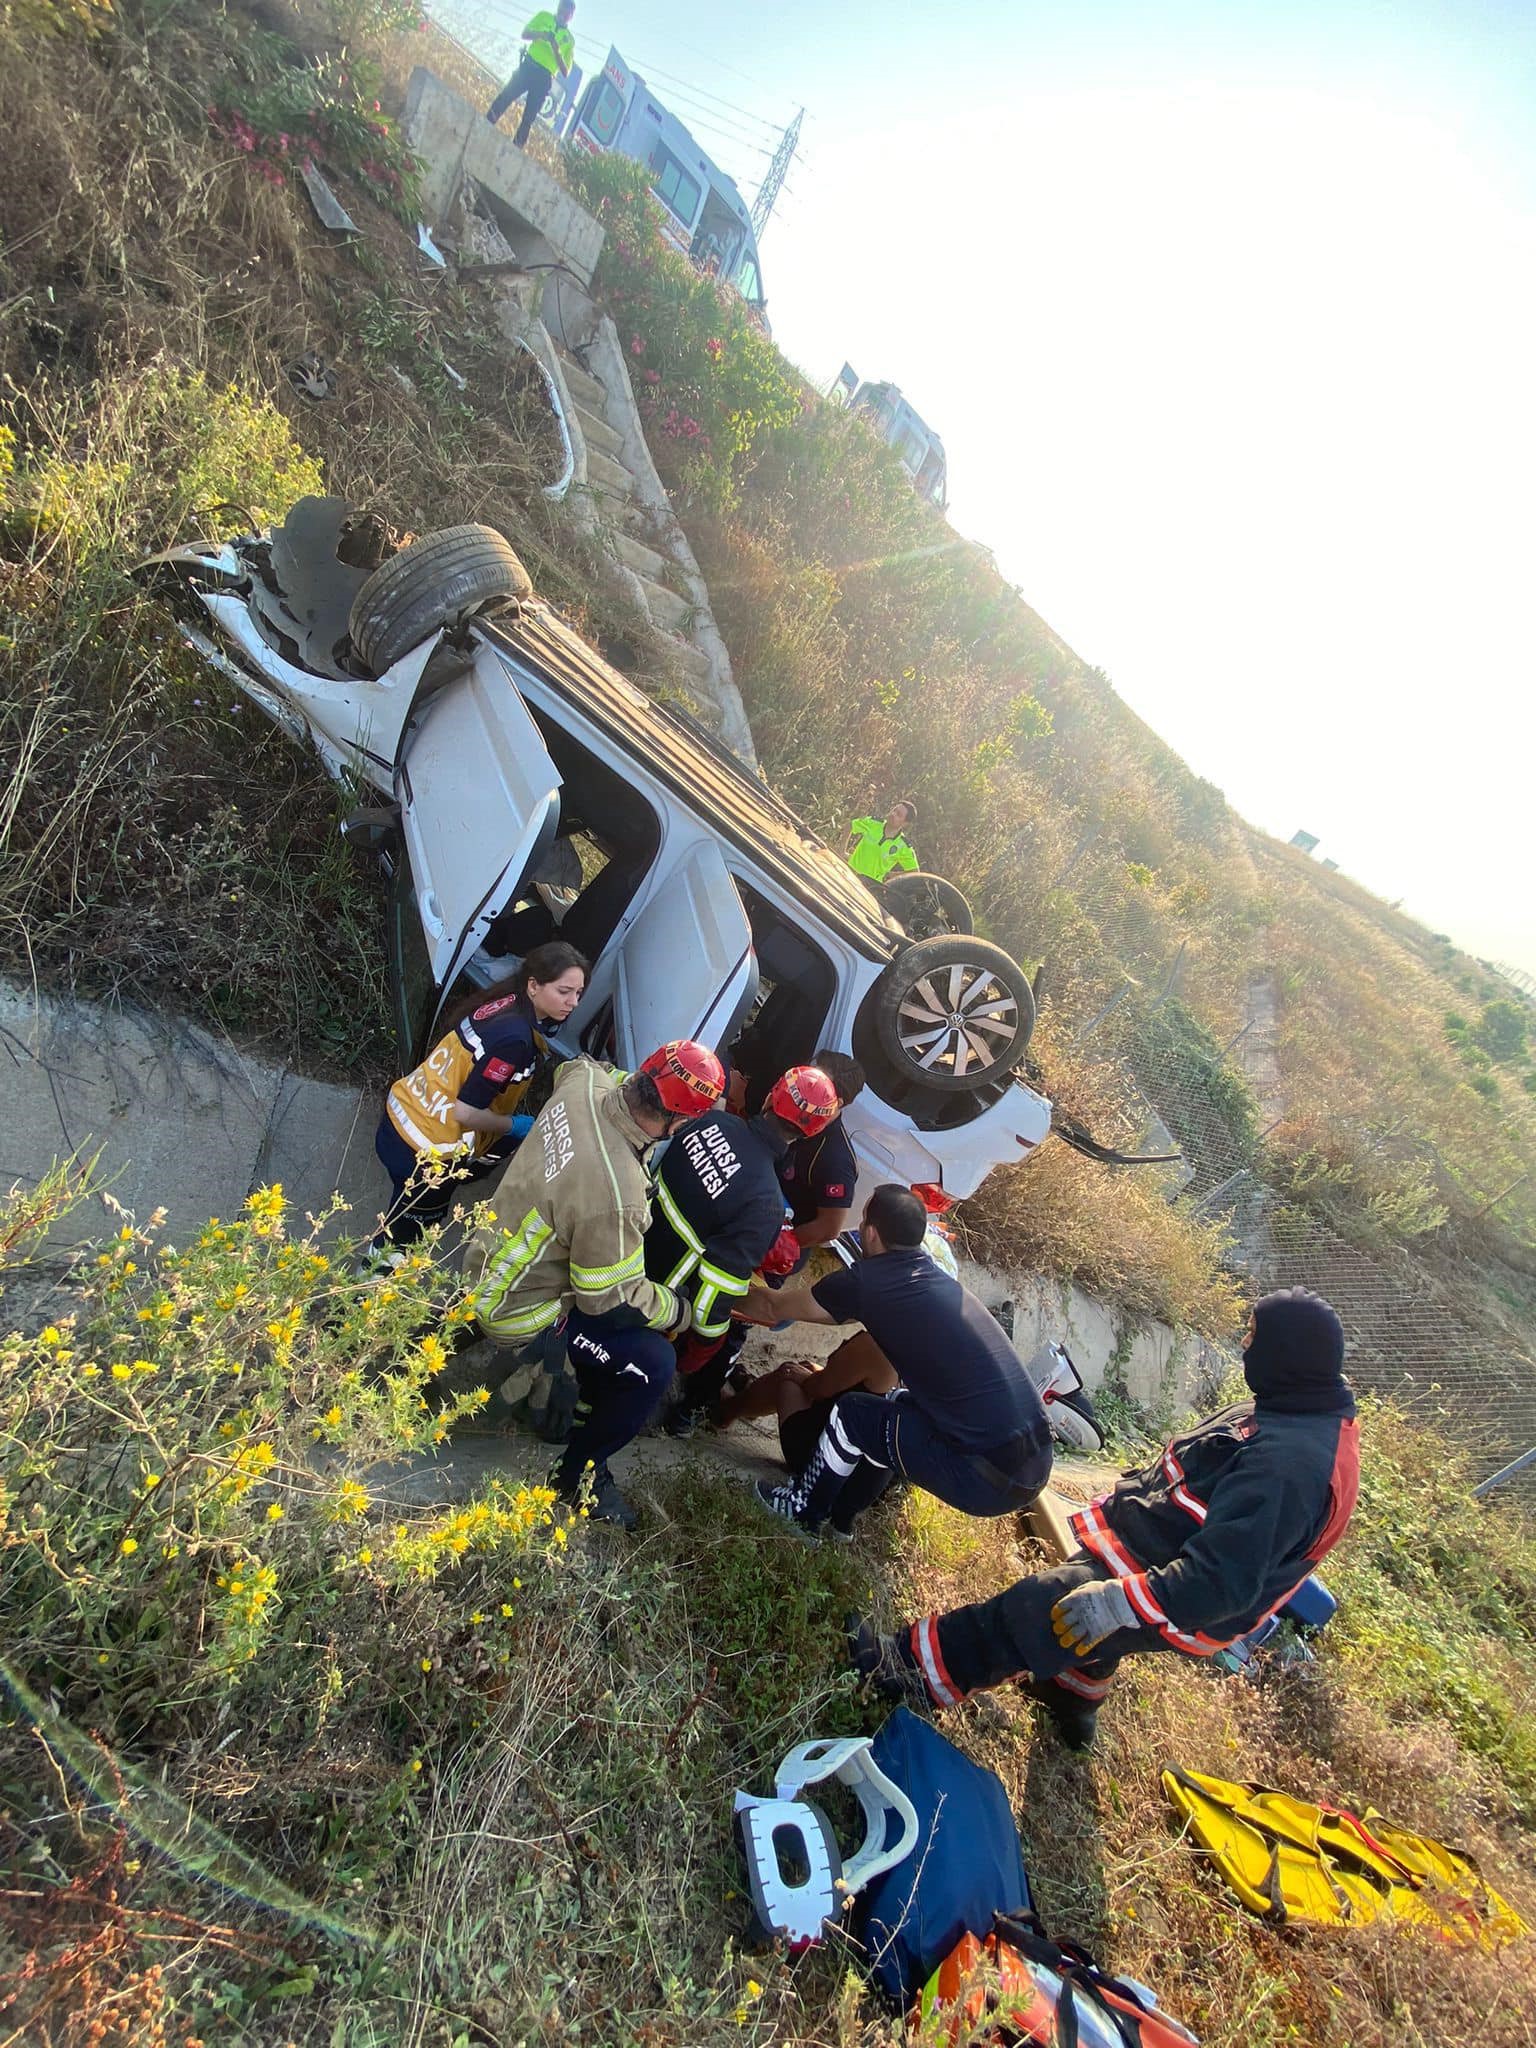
{"x":1436,"y":1347}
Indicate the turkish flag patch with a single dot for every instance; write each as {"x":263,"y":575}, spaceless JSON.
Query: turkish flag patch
{"x":835,"y":1194}
{"x":497,"y":1071}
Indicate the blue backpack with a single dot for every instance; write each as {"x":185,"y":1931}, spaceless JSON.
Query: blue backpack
{"x":966,"y":1866}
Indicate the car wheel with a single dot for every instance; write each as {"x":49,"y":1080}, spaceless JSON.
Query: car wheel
{"x":953,"y":1013}
{"x":926,"y":906}
{"x":438,"y":581}
{"x":1074,"y":1423}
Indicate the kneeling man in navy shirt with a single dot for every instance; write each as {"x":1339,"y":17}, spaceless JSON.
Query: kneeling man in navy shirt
{"x":965,"y":1423}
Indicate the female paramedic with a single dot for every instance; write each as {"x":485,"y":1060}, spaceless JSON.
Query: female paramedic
{"x":455,"y":1112}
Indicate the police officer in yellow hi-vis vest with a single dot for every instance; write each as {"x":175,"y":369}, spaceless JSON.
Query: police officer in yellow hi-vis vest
{"x":551,"y":48}
{"x":455,"y":1116}
{"x":878,"y":846}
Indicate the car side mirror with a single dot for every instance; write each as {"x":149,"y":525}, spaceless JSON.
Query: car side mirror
{"x":373,"y":827}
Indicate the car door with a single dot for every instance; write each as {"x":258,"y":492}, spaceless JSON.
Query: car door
{"x":479,"y":801}
{"x":685,"y":968}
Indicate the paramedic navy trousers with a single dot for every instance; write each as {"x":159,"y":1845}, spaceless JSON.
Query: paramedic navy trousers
{"x":622,"y":1376}
{"x":893,"y":1432}
{"x":972,"y":1648}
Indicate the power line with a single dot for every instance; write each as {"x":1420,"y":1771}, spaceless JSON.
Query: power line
{"x":715,"y":127}
{"x":685,"y":85}
{"x":696,"y":50}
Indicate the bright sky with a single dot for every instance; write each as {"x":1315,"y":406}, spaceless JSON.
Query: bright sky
{"x":1226,"y":314}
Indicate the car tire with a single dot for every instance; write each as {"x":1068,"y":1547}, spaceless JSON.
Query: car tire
{"x":926,"y":906}
{"x":956,"y":1037}
{"x":437,"y":582}
{"x":1074,"y":1423}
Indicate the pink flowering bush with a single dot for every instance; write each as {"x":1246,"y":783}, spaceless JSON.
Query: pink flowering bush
{"x":713,"y":389}
{"x":322,"y":115}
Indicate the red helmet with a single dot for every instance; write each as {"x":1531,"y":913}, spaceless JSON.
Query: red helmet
{"x":804,"y":1097}
{"x":689,"y":1079}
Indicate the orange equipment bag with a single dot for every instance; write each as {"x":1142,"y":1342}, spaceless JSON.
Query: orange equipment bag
{"x":1027,"y":1988}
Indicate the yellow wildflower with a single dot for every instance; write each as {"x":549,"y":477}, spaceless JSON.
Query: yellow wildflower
{"x":332,"y":1416}
{"x":122,"y":1372}
{"x":129,"y":1545}
{"x":275,"y":1512}
{"x":415,"y":1763}
{"x":151,"y":1481}
{"x":505,"y":1610}
{"x":426,"y":1663}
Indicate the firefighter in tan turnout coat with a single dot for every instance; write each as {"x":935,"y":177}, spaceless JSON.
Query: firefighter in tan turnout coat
{"x":570,"y":1216}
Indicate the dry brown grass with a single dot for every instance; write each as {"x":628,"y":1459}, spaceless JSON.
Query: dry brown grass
{"x":1110,"y":1229}
{"x":161,"y":841}
{"x":1110,"y":1869}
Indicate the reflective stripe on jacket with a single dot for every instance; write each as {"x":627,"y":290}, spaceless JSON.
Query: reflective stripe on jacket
{"x":497,"y":1042}
{"x":570,"y":1217}
{"x":719,"y":1208}
{"x":1222,"y":1528}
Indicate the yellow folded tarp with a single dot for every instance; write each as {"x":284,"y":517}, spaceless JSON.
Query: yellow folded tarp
{"x":1320,"y":1866}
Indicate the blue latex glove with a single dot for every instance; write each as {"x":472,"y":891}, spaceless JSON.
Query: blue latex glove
{"x":521,"y":1126}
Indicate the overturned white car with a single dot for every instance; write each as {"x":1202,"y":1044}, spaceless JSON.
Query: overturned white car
{"x":528,"y":787}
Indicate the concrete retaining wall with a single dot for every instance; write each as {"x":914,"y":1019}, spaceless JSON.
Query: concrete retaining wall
{"x":1167,"y":1373}
{"x":188,"y":1122}
{"x":539,"y":217}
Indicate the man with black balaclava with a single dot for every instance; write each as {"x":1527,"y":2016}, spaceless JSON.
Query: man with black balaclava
{"x":1188,"y":1554}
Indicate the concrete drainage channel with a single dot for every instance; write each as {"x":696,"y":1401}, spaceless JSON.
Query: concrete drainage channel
{"x":506,"y":216}
{"x":187,"y":1122}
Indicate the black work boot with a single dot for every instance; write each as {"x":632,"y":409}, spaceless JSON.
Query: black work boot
{"x":608,"y":1504}
{"x":885,"y":1663}
{"x":1075,"y":1720}
{"x":603,"y":1500}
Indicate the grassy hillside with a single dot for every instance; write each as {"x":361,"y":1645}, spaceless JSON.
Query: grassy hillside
{"x":288,"y":1757}
{"x":280,"y":1762}
{"x":157,"y":232}
{"x":879,"y":652}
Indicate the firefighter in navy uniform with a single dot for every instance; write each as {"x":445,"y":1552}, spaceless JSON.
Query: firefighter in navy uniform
{"x":1188,"y":1554}
{"x":819,"y":1172}
{"x":719,"y":1212}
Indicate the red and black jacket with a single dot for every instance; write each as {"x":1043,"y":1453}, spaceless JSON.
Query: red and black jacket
{"x":1223,"y":1527}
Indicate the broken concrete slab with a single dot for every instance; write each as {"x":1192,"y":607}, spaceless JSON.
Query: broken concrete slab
{"x":454,"y":140}
{"x":329,"y":210}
